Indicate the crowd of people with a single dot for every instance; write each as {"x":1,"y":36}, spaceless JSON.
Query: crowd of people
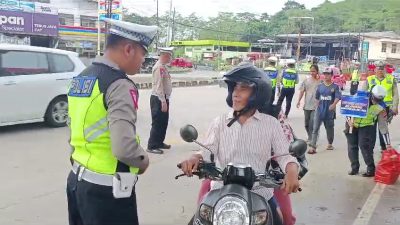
{"x":107,"y":156}
{"x":321,"y":96}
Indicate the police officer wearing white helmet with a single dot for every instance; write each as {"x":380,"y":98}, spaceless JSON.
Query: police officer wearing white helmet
{"x":363,"y":135}
{"x":272,"y":72}
{"x":106,"y":153}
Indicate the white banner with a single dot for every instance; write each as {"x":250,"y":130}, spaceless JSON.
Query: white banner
{"x":45,"y":8}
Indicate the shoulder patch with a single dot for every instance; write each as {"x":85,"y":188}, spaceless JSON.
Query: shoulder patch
{"x":82,"y":86}
{"x":164,"y":73}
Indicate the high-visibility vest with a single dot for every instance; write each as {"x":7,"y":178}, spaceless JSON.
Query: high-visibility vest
{"x":387,"y":83}
{"x":372,"y":115}
{"x":90,"y":135}
{"x":355,"y":76}
{"x":289,"y":78}
{"x":272,"y":73}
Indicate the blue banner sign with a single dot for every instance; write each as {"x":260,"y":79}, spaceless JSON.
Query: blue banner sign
{"x":355,"y":105}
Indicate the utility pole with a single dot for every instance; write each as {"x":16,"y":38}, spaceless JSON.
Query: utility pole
{"x":158,"y":25}
{"x":299,"y":39}
{"x":169,"y":25}
{"x":173,"y":26}
{"x":298,"y":44}
{"x":98,"y":29}
{"x":108,"y":5}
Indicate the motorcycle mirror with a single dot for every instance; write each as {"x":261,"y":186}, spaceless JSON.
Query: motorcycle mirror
{"x":298,"y":148}
{"x":189,"y":133}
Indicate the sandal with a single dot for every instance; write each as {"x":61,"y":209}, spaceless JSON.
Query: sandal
{"x":330,"y":148}
{"x":312,"y":151}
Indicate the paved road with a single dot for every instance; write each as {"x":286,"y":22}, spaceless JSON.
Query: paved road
{"x":34,"y":165}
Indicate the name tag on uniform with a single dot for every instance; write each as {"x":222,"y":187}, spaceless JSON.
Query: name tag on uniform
{"x":164,"y":73}
{"x":82,"y":86}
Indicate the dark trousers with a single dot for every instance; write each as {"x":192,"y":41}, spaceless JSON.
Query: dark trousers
{"x":309,"y":122}
{"x":92,"y":204}
{"x":273,"y":95}
{"x":287,"y":93}
{"x":362,"y":138}
{"x":381,"y":140}
{"x":329,"y":127}
{"x":159,"y":123}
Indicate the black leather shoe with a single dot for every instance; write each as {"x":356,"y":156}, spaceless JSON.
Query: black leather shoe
{"x":353,"y":172}
{"x":155,"y":151}
{"x":165,"y":146}
{"x":369,"y":174}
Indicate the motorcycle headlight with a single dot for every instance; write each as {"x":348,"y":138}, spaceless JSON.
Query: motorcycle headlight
{"x":231,"y":210}
{"x":205,"y":212}
{"x":259,"y":218}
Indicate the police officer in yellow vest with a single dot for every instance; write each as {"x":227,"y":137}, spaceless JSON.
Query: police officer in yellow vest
{"x":355,"y":76}
{"x":107,"y":156}
{"x":355,"y":79}
{"x":363,"y":135}
{"x":272,"y":73}
{"x":289,"y":80}
{"x":390,"y":84}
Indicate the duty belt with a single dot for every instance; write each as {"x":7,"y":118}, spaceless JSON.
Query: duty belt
{"x":93,"y":177}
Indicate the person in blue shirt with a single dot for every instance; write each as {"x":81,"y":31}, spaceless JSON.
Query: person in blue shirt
{"x":327,"y":95}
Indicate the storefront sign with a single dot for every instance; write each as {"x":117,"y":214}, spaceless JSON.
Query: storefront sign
{"x":113,"y":16}
{"x":28,"y":23}
{"x":46,"y":24}
{"x":116,"y":9}
{"x":45,"y":9}
{"x":16,"y":5}
{"x":14,"y":39}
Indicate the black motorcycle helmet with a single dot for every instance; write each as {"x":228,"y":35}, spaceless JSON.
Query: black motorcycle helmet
{"x":262,"y":88}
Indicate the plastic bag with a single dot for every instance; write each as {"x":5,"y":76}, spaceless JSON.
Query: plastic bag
{"x":388,"y":169}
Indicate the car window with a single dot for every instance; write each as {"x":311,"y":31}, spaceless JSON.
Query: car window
{"x":61,"y":63}
{"x":23,"y":63}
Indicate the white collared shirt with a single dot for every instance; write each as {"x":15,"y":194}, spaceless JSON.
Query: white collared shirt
{"x":249,"y":143}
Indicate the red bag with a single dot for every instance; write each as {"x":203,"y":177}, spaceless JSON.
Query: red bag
{"x":388,"y":169}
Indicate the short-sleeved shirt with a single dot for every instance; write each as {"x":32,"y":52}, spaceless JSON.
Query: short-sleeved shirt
{"x":309,"y":86}
{"x":326,"y":96}
{"x":162,"y":85}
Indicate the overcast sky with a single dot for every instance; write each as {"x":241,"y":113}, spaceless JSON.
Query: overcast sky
{"x":209,"y":8}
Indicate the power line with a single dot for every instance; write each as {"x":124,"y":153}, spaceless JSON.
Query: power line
{"x":214,"y":30}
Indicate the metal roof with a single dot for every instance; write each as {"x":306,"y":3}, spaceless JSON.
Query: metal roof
{"x":337,"y":36}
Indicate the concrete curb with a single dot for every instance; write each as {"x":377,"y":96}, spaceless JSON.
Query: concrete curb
{"x":183,"y":83}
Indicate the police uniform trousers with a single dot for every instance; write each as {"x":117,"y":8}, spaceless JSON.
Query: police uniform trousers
{"x":364,"y":139}
{"x":92,"y":204}
{"x":287,"y":93}
{"x":159,"y":123}
{"x":381,"y":139}
{"x":273,"y":95}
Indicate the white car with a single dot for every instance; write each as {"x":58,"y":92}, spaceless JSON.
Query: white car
{"x":34,"y":84}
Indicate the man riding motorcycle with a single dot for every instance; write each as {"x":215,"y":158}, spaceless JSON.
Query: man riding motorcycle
{"x":246,"y":135}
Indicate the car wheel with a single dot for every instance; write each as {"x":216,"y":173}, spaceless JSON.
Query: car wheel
{"x":57,"y":112}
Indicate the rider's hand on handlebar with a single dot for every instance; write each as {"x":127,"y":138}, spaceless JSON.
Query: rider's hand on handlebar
{"x":291,"y":182}
{"x":190,"y":165}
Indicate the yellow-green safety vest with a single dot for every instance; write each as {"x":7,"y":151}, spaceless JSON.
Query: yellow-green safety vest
{"x":387,"y":83}
{"x":355,"y":76}
{"x":289,"y":78}
{"x":272,"y":73}
{"x":372,"y":115}
{"x":90,"y":135}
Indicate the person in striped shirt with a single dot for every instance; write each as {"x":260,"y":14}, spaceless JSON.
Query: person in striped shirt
{"x":246,"y":135}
